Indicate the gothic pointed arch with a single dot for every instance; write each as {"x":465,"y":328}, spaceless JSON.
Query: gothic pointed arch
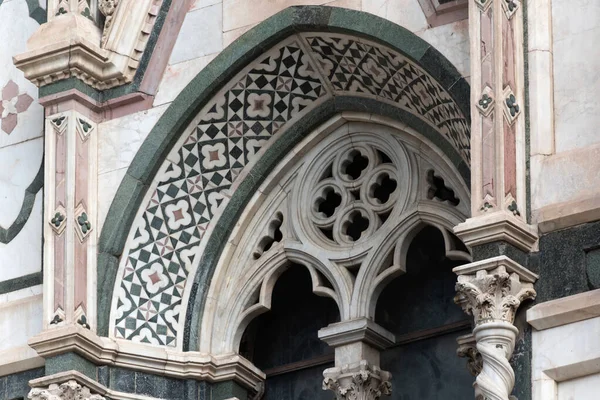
{"x":207,"y":157}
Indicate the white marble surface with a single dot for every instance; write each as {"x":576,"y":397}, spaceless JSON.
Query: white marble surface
{"x":177,"y":77}
{"x":108,"y":184}
{"x":406,"y":13}
{"x":19,"y":320}
{"x":200,"y":34}
{"x":19,"y":164}
{"x":23,"y":255}
{"x":452,"y":40}
{"x":16,"y":24}
{"x":120,"y":139}
{"x":586,"y":388}
{"x":197,"y":4}
{"x":576,"y":32}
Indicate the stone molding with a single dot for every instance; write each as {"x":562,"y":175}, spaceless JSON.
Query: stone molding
{"x":498,"y":226}
{"x":359,"y":381}
{"x":146,"y":358}
{"x":357,"y":330}
{"x":71,"y":45}
{"x":566,"y":310}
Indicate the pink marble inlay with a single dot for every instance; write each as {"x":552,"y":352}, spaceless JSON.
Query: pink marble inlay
{"x":12,"y":104}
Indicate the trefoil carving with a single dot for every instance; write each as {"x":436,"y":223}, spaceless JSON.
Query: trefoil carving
{"x":59,"y":124}
{"x":83,"y":227}
{"x":59,"y":220}
{"x":510,"y":7}
{"x":512,"y":109}
{"x":84,"y":128}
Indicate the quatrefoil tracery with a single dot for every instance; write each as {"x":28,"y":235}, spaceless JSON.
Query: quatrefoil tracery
{"x":355,"y":195}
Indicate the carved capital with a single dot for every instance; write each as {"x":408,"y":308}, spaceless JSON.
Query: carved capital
{"x":492,"y":290}
{"x":467,"y":348}
{"x":65,"y":391}
{"x":360,"y":381}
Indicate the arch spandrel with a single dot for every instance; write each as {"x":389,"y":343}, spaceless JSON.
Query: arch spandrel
{"x":239,"y":134}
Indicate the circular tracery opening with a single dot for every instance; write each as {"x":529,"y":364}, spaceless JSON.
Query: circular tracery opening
{"x":357,"y":188}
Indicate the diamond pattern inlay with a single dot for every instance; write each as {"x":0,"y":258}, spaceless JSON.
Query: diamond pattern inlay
{"x":195,"y":181}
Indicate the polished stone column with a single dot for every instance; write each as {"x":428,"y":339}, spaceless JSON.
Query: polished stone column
{"x":492,"y":290}
{"x":356,"y":374}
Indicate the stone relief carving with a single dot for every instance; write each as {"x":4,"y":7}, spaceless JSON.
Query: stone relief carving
{"x":467,"y":348}
{"x":70,"y":390}
{"x":360,"y":381}
{"x":492,"y":296}
{"x":107,"y":8}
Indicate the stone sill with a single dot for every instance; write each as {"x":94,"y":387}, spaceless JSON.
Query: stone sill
{"x":565,"y":311}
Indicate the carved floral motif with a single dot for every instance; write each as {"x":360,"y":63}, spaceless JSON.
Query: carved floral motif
{"x":492,"y":296}
{"x":360,"y":381}
{"x":69,"y":390}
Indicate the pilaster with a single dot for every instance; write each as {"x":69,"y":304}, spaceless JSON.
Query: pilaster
{"x":492,"y":290}
{"x":70,"y":203}
{"x":356,"y":374}
{"x":498,"y":162}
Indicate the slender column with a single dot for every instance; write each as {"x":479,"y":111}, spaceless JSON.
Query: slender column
{"x":492,"y":290}
{"x":70,"y":213}
{"x":356,"y":374}
{"x":498,"y":163}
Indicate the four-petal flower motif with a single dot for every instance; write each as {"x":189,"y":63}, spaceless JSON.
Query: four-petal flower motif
{"x":11,"y":104}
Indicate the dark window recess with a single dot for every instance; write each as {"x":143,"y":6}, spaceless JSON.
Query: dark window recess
{"x":383,"y":188}
{"x":438,"y":189}
{"x":356,"y":225}
{"x":328,"y":205}
{"x":355,"y":167}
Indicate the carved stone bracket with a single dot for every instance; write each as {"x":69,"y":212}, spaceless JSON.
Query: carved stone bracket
{"x":359,"y":381}
{"x":65,"y":391}
{"x":492,"y":290}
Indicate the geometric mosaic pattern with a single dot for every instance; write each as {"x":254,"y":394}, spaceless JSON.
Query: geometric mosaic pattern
{"x":282,"y":84}
{"x":360,"y":67}
{"x":232,"y":130}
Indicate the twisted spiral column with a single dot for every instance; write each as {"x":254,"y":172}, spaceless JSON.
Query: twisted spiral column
{"x":492,"y":290}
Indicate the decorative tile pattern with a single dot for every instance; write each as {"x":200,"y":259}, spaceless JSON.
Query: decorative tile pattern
{"x":232,"y":129}
{"x":362,"y":67}
{"x":196,"y":179}
{"x":12,"y":103}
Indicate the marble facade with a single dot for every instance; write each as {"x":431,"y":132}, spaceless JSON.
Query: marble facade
{"x":151,"y":154}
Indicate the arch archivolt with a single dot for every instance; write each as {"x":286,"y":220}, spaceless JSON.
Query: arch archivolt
{"x":306,"y":212}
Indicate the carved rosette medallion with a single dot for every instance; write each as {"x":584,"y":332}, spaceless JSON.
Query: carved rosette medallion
{"x":360,"y":381}
{"x":65,"y":391}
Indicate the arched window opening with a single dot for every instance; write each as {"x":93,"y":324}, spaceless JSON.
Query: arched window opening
{"x":284,"y":344}
{"x":418,"y":308}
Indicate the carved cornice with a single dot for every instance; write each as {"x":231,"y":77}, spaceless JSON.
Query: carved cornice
{"x":498,"y":226}
{"x":492,"y":290}
{"x":360,"y":381}
{"x":146,"y":358}
{"x":71,"y":45}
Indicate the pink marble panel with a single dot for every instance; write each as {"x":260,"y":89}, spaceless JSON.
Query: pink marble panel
{"x":488,"y":153}
{"x":510,"y":159}
{"x":508,"y":52}
{"x":487,"y":45}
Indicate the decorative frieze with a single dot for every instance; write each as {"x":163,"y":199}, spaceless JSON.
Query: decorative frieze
{"x":359,"y":381}
{"x":69,"y":390}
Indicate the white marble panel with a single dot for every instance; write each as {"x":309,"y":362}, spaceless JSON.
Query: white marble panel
{"x":576,"y":29}
{"x":452,"y":40}
{"x":108,"y":184}
{"x":16,"y":24}
{"x":23,"y":256}
{"x":176,"y":78}
{"x":239,"y":13}
{"x":19,"y":164}
{"x":200,"y":34}
{"x":197,"y":4}
{"x":406,"y":13}
{"x":20,"y":320}
{"x":586,"y":388}
{"x":120,"y":139}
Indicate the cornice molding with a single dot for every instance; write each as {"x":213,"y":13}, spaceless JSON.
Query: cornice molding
{"x":146,"y":358}
{"x":357,"y":330}
{"x":498,"y":226}
{"x":70,"y":45}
